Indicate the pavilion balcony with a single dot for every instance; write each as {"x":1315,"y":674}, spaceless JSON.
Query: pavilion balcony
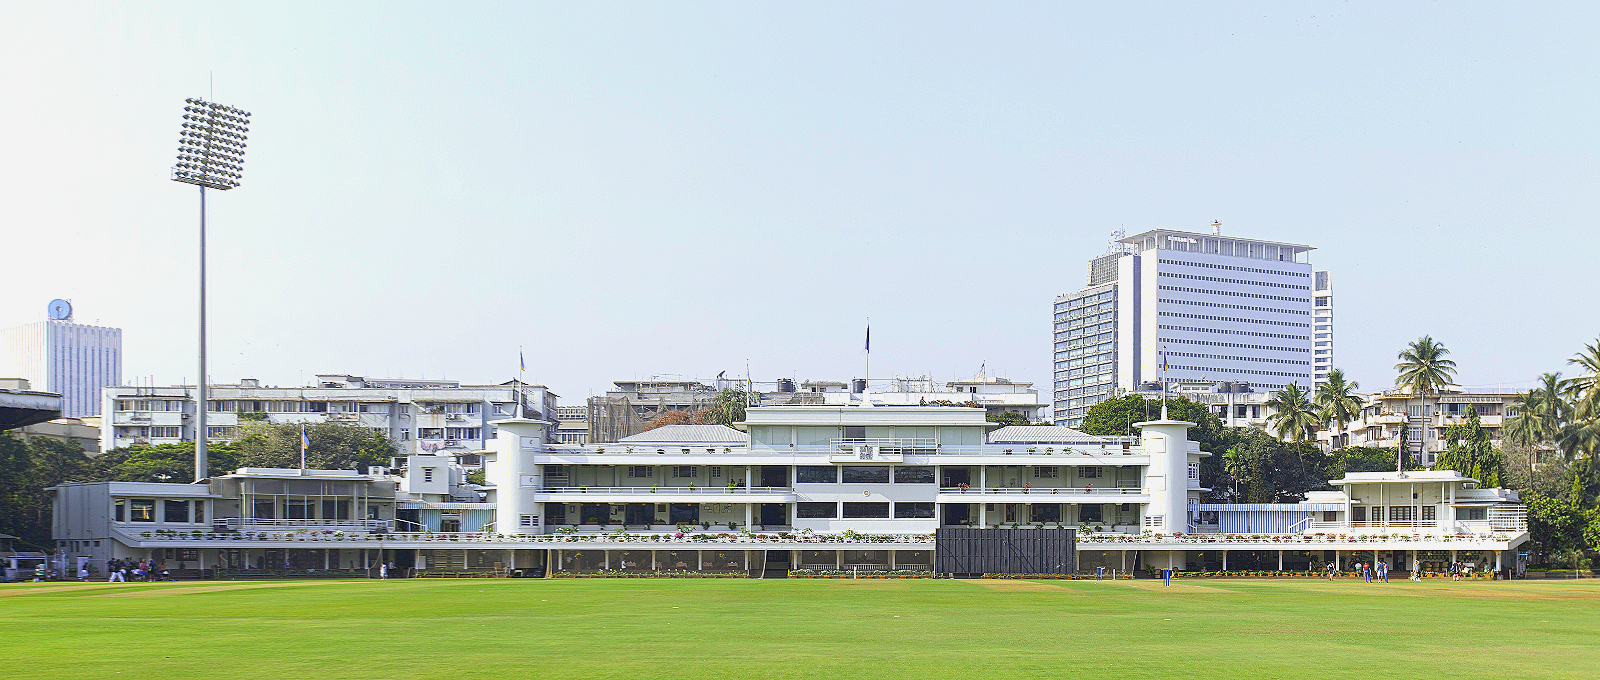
{"x":665,"y":494}
{"x":269,"y":524}
{"x":1073,"y":494}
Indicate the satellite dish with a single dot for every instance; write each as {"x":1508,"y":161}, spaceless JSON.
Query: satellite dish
{"x":60,"y":310}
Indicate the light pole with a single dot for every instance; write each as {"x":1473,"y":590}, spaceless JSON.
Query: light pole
{"x":210,"y":154}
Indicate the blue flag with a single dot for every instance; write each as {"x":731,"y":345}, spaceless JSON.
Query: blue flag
{"x":522,"y":364}
{"x":869,"y":338}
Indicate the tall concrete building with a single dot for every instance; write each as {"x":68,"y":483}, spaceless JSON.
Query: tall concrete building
{"x":70,"y":359}
{"x":1220,"y":309}
{"x":1322,"y":326}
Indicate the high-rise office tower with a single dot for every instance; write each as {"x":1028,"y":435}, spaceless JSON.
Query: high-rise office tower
{"x":1219,"y":309}
{"x":57,"y":355}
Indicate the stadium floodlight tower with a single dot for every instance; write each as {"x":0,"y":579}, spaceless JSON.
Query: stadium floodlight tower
{"x":210,"y":154}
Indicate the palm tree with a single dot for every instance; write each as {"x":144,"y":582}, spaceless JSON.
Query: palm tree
{"x":1585,"y":389}
{"x":1293,"y":415}
{"x":1234,"y":463}
{"x":1541,"y":413}
{"x":1337,"y":403}
{"x":1423,"y":368}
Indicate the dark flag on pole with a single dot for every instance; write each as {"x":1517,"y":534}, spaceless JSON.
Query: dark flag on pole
{"x":869,"y":338}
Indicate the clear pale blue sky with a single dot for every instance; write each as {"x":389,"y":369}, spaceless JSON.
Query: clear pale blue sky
{"x":628,"y":189}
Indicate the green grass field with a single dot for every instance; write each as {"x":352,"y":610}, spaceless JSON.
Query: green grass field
{"x":699,"y":629}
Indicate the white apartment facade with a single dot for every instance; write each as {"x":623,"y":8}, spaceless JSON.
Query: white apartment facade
{"x":1426,"y":419}
{"x":1217,"y":308}
{"x":794,"y":487}
{"x":420,"y":416}
{"x":70,"y":359}
{"x":995,"y":394}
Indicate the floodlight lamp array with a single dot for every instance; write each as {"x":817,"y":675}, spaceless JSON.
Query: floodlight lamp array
{"x":211,"y":145}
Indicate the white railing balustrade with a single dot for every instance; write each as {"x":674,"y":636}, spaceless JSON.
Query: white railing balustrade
{"x":261,"y":524}
{"x":707,"y":490}
{"x":1047,"y":491}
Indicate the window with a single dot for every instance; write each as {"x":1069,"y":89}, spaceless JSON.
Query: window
{"x":1358,"y":514}
{"x":334,"y":509}
{"x":526,"y":521}
{"x":1194,"y":471}
{"x":1091,"y":472}
{"x":1045,"y":512}
{"x":141,"y":510}
{"x":716,"y":472}
{"x":1046,"y":473}
{"x":816,"y":510}
{"x":685,"y":471}
{"x":175,"y":511}
{"x":866,"y":510}
{"x":313,"y":407}
{"x":1465,"y":514}
{"x":641,"y":471}
{"x":816,"y":474}
{"x":1401,"y":513}
{"x":1090,"y":513}
{"x":682,"y":513}
{"x":297,"y":509}
{"x":427,"y":474}
{"x":463,"y":433}
{"x":449,"y":525}
{"x":914,"y":474}
{"x":119,"y":511}
{"x":1429,"y":513}
{"x":219,"y":432}
{"x":430,"y":433}
{"x":405,"y":434}
{"x":166,"y":432}
{"x":913,"y":510}
{"x":867,"y":474}
{"x":1330,"y":515}
{"x":557,"y":512}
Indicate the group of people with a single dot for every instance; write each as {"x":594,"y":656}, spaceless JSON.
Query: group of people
{"x":142,"y":570}
{"x":1379,"y":572}
{"x":1369,"y":571}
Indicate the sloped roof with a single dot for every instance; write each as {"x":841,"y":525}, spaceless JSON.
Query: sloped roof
{"x":688,"y":434}
{"x":1041,"y":434}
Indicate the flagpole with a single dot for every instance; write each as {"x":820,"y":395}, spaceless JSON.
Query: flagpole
{"x":1163,"y":383}
{"x":867,"y":379}
{"x":303,"y":443}
{"x":522,"y":365}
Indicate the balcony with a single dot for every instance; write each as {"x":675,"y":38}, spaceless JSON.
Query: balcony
{"x":261,"y":524}
{"x":1076,"y":494}
{"x":665,"y":494}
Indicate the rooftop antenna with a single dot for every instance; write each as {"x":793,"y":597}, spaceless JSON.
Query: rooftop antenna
{"x":1216,"y":227}
{"x":1115,"y":245}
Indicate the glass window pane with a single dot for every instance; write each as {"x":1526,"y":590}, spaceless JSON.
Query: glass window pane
{"x":867,"y":474}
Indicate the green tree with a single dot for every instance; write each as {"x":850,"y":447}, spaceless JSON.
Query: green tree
{"x":727,"y":409}
{"x":1007,"y":418}
{"x":1360,"y":459}
{"x":332,"y":446}
{"x":1554,"y":524}
{"x":1541,"y":414}
{"x":1337,"y":403}
{"x":164,"y":462}
{"x":1293,"y":416}
{"x":1470,"y":452}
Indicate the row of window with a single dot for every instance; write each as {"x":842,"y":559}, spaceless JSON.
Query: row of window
{"x":1236,"y":345}
{"x":449,"y":433}
{"x":1213,"y":370}
{"x":1247,"y":308}
{"x":1234,"y":319}
{"x":861,"y":510}
{"x":1225,"y":331}
{"x":1269,"y":360}
{"x":864,"y":474}
{"x":1233,"y":293}
{"x":1218,"y":279}
{"x":1252,"y":270}
{"x":173,"y":512}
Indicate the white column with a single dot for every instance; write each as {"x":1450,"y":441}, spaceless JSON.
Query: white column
{"x":1224,"y":560}
{"x":749,"y":515}
{"x":1280,"y":560}
{"x":891,"y":560}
